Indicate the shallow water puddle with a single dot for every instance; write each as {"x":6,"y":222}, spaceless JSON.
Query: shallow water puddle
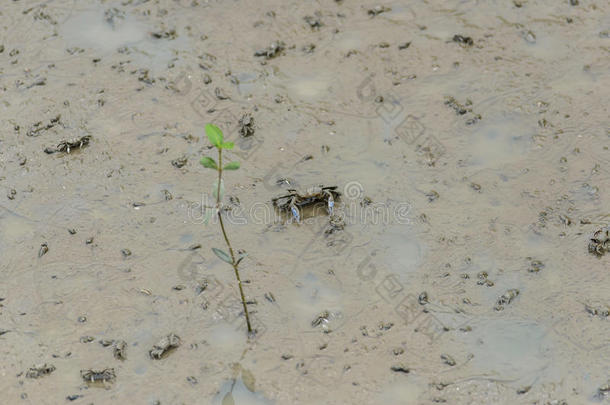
{"x":400,"y":13}
{"x":236,"y":393}
{"x":509,"y":350}
{"x":500,"y":140}
{"x":248,"y":82}
{"x":240,"y":390}
{"x":402,"y":252}
{"x":15,"y":230}
{"x":309,"y":87}
{"x":311,"y":296}
{"x":227,"y":337}
{"x":543,"y":45}
{"x":91,"y":29}
{"x":405,"y":392}
{"x":347,"y":40}
{"x":301,"y":84}
{"x":578,"y":79}
{"x":104,"y":31}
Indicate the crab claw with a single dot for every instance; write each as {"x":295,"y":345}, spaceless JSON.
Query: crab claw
{"x":295,"y":213}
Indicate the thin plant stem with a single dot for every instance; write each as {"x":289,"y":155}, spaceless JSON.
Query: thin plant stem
{"x":224,"y":233}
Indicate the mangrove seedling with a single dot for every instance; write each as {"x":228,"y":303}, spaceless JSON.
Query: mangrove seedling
{"x":215,"y":136}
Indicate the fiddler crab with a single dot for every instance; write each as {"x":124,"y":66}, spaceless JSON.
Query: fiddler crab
{"x":599,"y":244}
{"x":66,"y":146}
{"x":95,"y":376}
{"x":295,"y":199}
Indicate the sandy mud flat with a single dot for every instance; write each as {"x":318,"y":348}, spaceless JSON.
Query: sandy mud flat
{"x":467,"y":260}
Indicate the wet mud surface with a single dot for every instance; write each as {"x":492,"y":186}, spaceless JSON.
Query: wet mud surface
{"x":466,"y":257}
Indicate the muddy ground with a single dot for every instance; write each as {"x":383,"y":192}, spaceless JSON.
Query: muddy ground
{"x":470,"y":143}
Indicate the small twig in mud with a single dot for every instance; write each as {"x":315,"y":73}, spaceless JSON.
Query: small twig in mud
{"x":216,"y":138}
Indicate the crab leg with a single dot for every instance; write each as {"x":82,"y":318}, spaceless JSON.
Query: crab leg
{"x":331,"y":201}
{"x":295,"y":211}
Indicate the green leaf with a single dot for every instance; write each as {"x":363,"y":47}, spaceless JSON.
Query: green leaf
{"x":214,"y":135}
{"x":208,"y":163}
{"x":227,"y":145}
{"x":228,"y":399}
{"x":248,"y":379}
{"x":231,"y":166}
{"x":222,"y":255}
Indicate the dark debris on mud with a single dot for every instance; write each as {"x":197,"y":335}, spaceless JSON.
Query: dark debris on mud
{"x":272,"y":51}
